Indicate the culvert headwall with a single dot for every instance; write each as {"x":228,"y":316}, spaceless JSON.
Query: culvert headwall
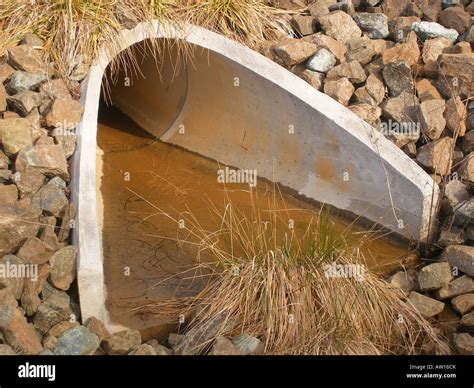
{"x":239,"y":108}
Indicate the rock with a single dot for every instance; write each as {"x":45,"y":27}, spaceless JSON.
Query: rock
{"x":434,"y":276}
{"x":457,"y":287}
{"x":293,"y":51}
{"x":56,"y":89}
{"x":464,"y":213}
{"x":248,"y":345}
{"x":427,"y":30}
{"x":459,"y":48}
{"x":16,"y":225}
{"x":12,"y":280}
{"x":20,"y":81}
{"x":372,"y":93}
{"x":50,"y":342}
{"x":369,"y":113}
{"x":303,"y":25}
{"x":466,"y":169}
{"x":461,"y":257}
{"x":340,"y":26}
{"x":160,"y":350}
{"x":463,"y":303}
{"x":468,"y":142}
{"x":65,"y":114}
{"x":407,"y":51}
{"x":401,"y":26}
{"x":374,"y":24}
{"x":435,"y":156}
{"x":5,"y":72}
{"x":394,"y":8}
{"x":432,"y":119}
{"x":464,"y":343}
{"x":32,"y":40}
{"x":29,"y":298}
{"x":26,"y":58}
{"x":16,"y":135}
{"x":8,"y":195}
{"x":29,"y":182}
{"x":398,"y":78}
{"x":448,"y":321}
{"x":426,"y":306}
{"x":451,"y":236}
{"x":60,"y":328}
{"x":223,"y":347}
{"x":77,"y":341}
{"x":63,"y":267}
{"x":49,"y":160}
{"x":6,"y":350}
{"x":433,"y":48}
{"x":320,"y":8}
{"x":48,"y":233}
{"x":16,"y":331}
{"x":338,"y":49}
{"x":427,"y":91}
{"x":97,"y":327}
{"x":35,"y":251}
{"x":456,"y":114}
{"x":403,"y":280}
{"x":122,"y":342}
{"x":467,"y":322}
{"x":198,"y":336}
{"x":352,"y":71}
{"x":360,"y":50}
{"x":402,"y":109}
{"x":24,"y":102}
{"x":314,"y":78}
{"x":3,"y":99}
{"x":174,"y":339}
{"x":322,"y":61}
{"x":457,"y":70}
{"x":341,"y":90}
{"x":143,"y":350}
{"x":54,"y":308}
{"x":53,"y":201}
{"x":455,"y":18}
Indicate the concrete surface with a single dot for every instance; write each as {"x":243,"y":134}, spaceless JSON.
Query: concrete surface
{"x":235,"y":106}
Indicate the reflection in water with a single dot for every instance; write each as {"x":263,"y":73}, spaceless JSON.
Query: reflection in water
{"x":146,"y":187}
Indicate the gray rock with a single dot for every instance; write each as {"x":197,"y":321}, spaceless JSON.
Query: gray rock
{"x":53,"y":200}
{"x":455,"y":192}
{"x":24,"y":102}
{"x":49,"y":160}
{"x":434,"y":276}
{"x":398,"y":78}
{"x":122,"y":342}
{"x":322,"y":61}
{"x":374,"y":24}
{"x":246,"y":344}
{"x":427,"y":307}
{"x":77,"y":341}
{"x":199,"y":336}
{"x":451,"y":236}
{"x":464,"y":343}
{"x":458,"y":286}
{"x":404,"y":280}
{"x":54,"y":308}
{"x":463,"y":303}
{"x":223,"y":347}
{"x":461,"y":257}
{"x":464,"y":213}
{"x":428,"y":30}
{"x":21,"y":80}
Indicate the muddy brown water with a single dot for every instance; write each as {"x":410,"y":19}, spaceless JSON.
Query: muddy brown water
{"x":145,"y":185}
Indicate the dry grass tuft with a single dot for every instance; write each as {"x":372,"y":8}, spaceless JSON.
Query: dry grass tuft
{"x":74,"y":29}
{"x":273,"y":283}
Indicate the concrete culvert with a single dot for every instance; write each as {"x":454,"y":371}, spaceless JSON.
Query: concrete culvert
{"x":231,"y":105}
